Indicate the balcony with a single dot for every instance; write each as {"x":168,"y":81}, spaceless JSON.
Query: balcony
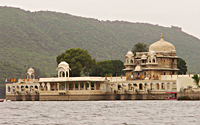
{"x":151,"y":63}
{"x":129,"y":64}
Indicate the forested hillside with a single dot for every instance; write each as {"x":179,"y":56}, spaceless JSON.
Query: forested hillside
{"x":34,"y":39}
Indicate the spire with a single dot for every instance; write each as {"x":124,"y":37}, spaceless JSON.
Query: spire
{"x":161,"y":35}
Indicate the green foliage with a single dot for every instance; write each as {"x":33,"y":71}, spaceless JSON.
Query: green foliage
{"x":80,"y":61}
{"x":140,"y":47}
{"x":110,"y":67}
{"x":181,"y":64}
{"x":196,"y":79}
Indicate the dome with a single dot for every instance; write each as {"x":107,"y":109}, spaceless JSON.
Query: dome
{"x":30,"y":71}
{"x":129,"y":54}
{"x":63,"y":64}
{"x":161,"y":46}
{"x":144,"y":57}
{"x":138,"y":68}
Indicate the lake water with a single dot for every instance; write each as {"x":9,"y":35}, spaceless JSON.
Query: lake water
{"x":101,"y":112}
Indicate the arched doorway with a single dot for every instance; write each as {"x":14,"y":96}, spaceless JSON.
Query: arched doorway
{"x":163,"y":86}
{"x":151,"y":86}
{"x":141,"y":86}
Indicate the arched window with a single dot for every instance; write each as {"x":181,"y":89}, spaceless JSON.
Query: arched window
{"x":22,"y":88}
{"x":36,"y":87}
{"x":129,"y":86}
{"x":140,"y":86}
{"x":157,"y":86}
{"x":149,"y":60}
{"x":154,"y":61}
{"x":26,"y":87}
{"x":163,"y":86}
{"x":131,"y":60}
{"x":8,"y":88}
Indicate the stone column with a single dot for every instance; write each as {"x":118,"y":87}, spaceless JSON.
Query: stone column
{"x":74,"y":86}
{"x":166,"y":87}
{"x":39,"y":87}
{"x":83,"y":85}
{"x":89,"y":85}
{"x":160,"y":86}
{"x":57,"y":86}
{"x":95,"y":85}
{"x":65,"y":87}
{"x":48,"y":87}
{"x":155,"y":88}
{"x":45,"y":86}
{"x":79,"y":86}
{"x":68,"y":86}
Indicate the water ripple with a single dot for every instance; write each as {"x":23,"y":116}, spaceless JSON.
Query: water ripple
{"x":100,"y":112}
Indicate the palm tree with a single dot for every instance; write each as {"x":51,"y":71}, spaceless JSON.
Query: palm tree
{"x":140,"y":47}
{"x":196,"y":80}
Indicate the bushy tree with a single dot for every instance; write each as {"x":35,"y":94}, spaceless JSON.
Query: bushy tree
{"x":140,"y":47}
{"x":196,"y":79}
{"x":79,"y":60}
{"x":181,"y":64}
{"x":109,"y":67}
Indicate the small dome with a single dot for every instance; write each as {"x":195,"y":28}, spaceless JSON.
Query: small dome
{"x":129,"y":54}
{"x":64,"y":65}
{"x":30,"y":71}
{"x":144,"y":57}
{"x":138,"y":68}
{"x":161,"y":46}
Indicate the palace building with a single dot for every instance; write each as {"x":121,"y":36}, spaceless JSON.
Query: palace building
{"x":160,"y":60}
{"x":149,"y":75}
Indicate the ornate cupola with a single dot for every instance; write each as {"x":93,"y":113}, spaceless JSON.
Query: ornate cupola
{"x":63,"y":69}
{"x":162,"y":46}
{"x":30,"y":73}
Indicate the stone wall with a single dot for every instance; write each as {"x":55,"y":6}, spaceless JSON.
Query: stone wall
{"x":89,"y":97}
{"x":188,"y":95}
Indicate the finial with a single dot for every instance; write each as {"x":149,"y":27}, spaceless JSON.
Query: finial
{"x":161,"y":35}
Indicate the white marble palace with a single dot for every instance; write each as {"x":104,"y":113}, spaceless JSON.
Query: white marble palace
{"x":147,"y":73}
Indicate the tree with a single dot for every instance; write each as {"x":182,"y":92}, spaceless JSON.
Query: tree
{"x":109,"y":67}
{"x":79,"y":60}
{"x":140,"y":47}
{"x":196,"y":79}
{"x":181,"y":64}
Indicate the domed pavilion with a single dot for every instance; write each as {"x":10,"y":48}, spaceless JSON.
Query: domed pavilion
{"x":160,"y":60}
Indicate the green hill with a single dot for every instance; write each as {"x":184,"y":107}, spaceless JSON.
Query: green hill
{"x":34,"y":39}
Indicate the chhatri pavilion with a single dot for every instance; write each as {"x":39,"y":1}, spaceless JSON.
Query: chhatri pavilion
{"x":160,"y":60}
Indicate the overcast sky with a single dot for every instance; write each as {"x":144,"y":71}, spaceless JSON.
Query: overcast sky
{"x":182,"y":13}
